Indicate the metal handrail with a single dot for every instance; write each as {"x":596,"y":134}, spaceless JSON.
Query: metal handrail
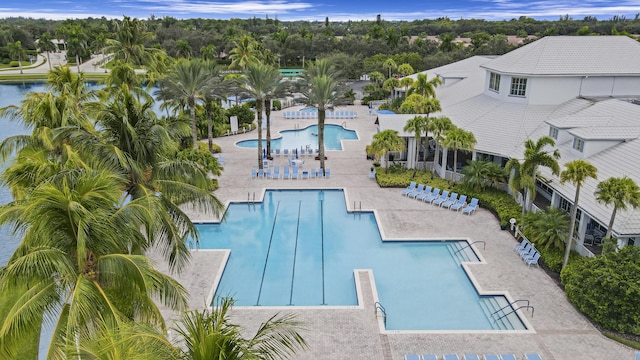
{"x":511,"y":312}
{"x":379,"y":307}
{"x":484,"y":247}
{"x":510,"y":304}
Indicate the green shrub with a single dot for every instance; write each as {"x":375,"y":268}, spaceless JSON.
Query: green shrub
{"x":607,"y":288}
{"x":553,"y":258}
{"x":244,"y":114}
{"x":14,"y":64}
{"x":276,"y":104}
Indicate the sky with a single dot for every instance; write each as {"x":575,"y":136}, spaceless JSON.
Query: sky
{"x":336,"y":10}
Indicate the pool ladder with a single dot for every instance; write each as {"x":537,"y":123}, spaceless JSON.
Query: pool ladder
{"x":484,"y":246}
{"x":380,"y":311}
{"x":344,"y":124}
{"x":512,"y":309}
{"x":357,"y":208}
{"x":250,"y":200}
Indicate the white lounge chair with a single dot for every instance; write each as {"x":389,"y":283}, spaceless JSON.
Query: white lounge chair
{"x":473,"y":205}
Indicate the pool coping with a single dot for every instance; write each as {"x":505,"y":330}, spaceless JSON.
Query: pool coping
{"x":358,"y":286}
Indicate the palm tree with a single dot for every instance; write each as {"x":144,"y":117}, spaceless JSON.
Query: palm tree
{"x":183,"y":49}
{"x":129,"y":43}
{"x":210,"y":335}
{"x":45,"y":44}
{"x":389,"y":65}
{"x":577,"y":172}
{"x":385,"y":142}
{"x":208,"y":52}
{"x":546,"y":228}
{"x":376,"y":76}
{"x":458,"y":139}
{"x":323,"y":91}
{"x":17,"y":51}
{"x":390,"y":85}
{"x":425,"y":87}
{"x":74,"y":255}
{"x":523,"y":175}
{"x":619,"y":192}
{"x":406,"y":82}
{"x":405,"y":69}
{"x":417,"y":125}
{"x":187,"y":85}
{"x":477,"y":174}
{"x":260,"y":81}
{"x":143,"y":148}
{"x":438,"y":127}
{"x":244,"y":52}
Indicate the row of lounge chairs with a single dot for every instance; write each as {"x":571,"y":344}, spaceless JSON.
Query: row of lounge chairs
{"x":293,"y":152}
{"x":445,"y":199}
{"x":530,"y":356}
{"x":528,"y":252}
{"x":314,"y":114}
{"x":295,"y":173}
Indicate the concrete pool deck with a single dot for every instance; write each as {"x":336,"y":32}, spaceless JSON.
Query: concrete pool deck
{"x":560,"y":332}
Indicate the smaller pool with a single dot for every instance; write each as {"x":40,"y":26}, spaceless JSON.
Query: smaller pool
{"x":309,"y":109}
{"x":307,"y":137}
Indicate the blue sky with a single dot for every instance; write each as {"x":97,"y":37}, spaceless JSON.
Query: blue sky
{"x":336,"y":10}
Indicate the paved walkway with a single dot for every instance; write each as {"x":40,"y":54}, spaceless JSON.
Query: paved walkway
{"x":559,"y":331}
{"x":59,"y":58}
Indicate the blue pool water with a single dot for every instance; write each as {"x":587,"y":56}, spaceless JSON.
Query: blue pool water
{"x":300,"y":247}
{"x":309,"y":109}
{"x":299,"y":139}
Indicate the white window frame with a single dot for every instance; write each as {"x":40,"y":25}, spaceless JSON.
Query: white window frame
{"x":518,"y":87}
{"x":494,"y":82}
{"x":578,"y":144}
{"x":553,"y":132}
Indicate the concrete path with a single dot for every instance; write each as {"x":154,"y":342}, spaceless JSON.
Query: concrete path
{"x":559,"y":332}
{"x":41,"y":66}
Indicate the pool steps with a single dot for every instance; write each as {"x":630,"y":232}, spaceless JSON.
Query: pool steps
{"x":461,"y":252}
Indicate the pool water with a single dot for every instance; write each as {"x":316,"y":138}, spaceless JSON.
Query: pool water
{"x":300,"y":247}
{"x":300,"y":139}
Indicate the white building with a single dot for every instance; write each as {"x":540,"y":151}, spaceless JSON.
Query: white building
{"x":579,"y":90}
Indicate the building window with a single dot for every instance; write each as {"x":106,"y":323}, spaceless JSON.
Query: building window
{"x":518,"y":87}
{"x":553,"y":132}
{"x":578,"y":144}
{"x":494,"y":82}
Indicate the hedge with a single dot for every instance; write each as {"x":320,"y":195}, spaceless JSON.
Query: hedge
{"x":607,"y":288}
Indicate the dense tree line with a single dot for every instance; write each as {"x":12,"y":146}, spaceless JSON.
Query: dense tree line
{"x":289,"y":44}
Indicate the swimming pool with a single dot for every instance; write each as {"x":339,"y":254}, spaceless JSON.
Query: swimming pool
{"x":300,"y":247}
{"x":300,"y":139}
{"x":309,"y":109}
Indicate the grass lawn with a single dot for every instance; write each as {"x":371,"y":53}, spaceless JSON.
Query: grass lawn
{"x":28,"y":345}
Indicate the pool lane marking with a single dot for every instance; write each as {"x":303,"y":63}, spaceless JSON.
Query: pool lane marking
{"x":266,"y":260}
{"x":295,"y":253}
{"x":322,"y":237}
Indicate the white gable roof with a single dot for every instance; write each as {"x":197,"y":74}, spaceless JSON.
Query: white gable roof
{"x":572,"y":55}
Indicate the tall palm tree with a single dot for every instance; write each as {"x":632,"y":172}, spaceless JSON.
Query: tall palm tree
{"x":619,"y":192}
{"x":129,"y":42}
{"x":187,"y":85}
{"x":458,"y":139}
{"x":438,"y":127}
{"x":75,"y":256}
{"x":385,"y":142}
{"x":244,"y":52}
{"x":389,"y":65}
{"x":425,"y":87}
{"x":143,"y":148}
{"x":576,"y":172}
{"x":523,"y":174}
{"x":46,"y":44}
{"x":417,"y":125}
{"x":76,"y":42}
{"x":324,"y":91}
{"x":17,"y":51}
{"x":390,"y":85}
{"x":259,"y":82}
{"x":210,"y":335}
